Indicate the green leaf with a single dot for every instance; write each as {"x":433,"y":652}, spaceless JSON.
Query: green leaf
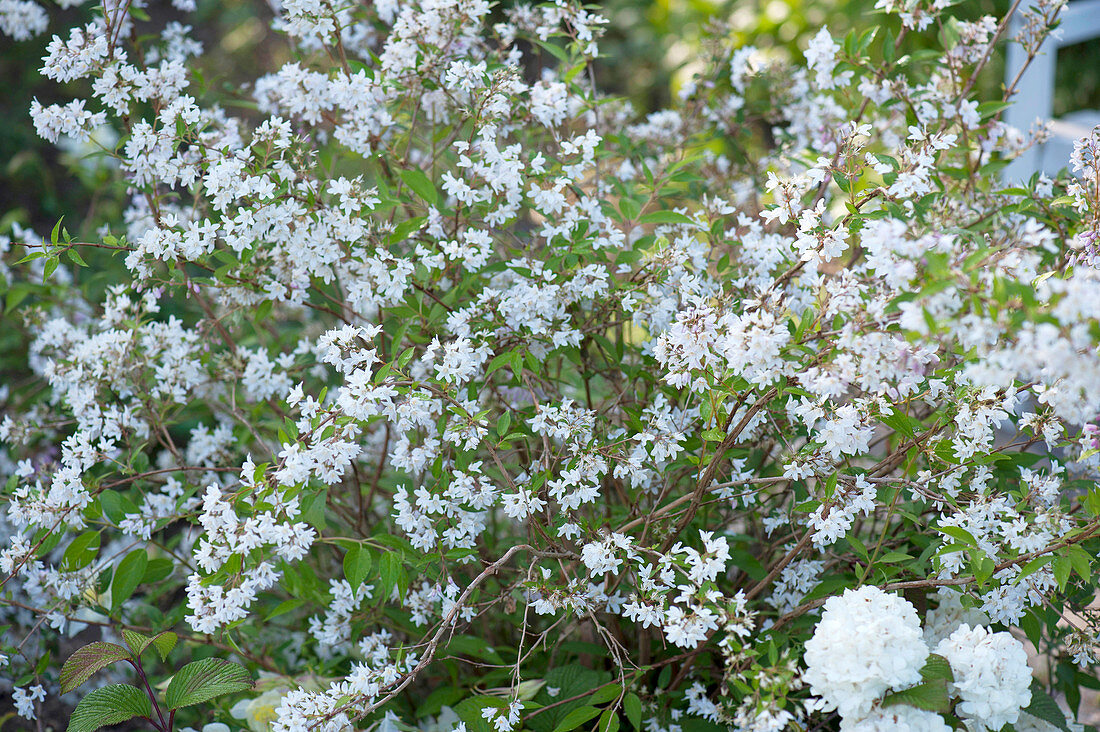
{"x":1062,"y":569}
{"x":109,"y":705}
{"x":474,"y":647}
{"x":498,"y":361}
{"x":128,"y":576}
{"x":930,"y":696}
{"x":357,"y":564}
{"x":157,"y":569}
{"x":570,"y":681}
{"x":576,"y":718}
{"x":204,"y":680}
{"x":1045,"y":708}
{"x":665,"y":217}
{"x":389,"y":568}
{"x":406,"y":356}
{"x":74,"y":255}
{"x":81,"y":551}
{"x":110,"y":502}
{"x":421,"y":185}
{"x":606,"y":694}
{"x":504,"y":423}
{"x":714,"y":434}
{"x":87,"y":660}
{"x":959,"y":534}
{"x":138,"y":642}
{"x":555,"y":51}
{"x":1035,"y":565}
{"x":1080,"y":561}
{"x":17,"y":294}
{"x":284,"y":607}
{"x":470,"y":711}
{"x":609,"y":721}
{"x":37,"y":254}
{"x":632,"y":705}
{"x":313,"y":509}
{"x":164,"y":642}
{"x":936,"y":667}
{"x":630,"y":208}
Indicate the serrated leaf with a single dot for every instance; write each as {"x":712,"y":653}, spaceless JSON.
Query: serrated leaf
{"x":930,"y":696}
{"x":576,"y":718}
{"x":936,"y":667}
{"x":138,"y":642}
{"x":204,"y":680}
{"x":567,"y":681}
{"x":163,"y":642}
{"x":87,"y":660}
{"x":1045,"y":708}
{"x":109,"y":705}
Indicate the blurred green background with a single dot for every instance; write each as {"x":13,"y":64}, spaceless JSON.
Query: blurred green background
{"x":648,"y":51}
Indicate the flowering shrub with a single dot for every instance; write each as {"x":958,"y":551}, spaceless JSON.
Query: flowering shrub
{"x":443,"y":391}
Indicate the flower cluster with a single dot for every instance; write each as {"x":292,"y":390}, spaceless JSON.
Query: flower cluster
{"x":869,"y":642}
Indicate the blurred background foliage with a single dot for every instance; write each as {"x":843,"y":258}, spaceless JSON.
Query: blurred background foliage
{"x":650,"y":50}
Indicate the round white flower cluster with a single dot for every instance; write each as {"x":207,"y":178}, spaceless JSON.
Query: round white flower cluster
{"x":992,"y":678}
{"x":900,"y":718}
{"x":869,"y":642}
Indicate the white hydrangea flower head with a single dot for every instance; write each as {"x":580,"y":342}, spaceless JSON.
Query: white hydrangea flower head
{"x":992,"y":678}
{"x":945,"y":619}
{"x":867,"y":642}
{"x":900,"y":718}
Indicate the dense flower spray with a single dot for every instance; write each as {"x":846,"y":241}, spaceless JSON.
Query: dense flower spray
{"x":454,"y":393}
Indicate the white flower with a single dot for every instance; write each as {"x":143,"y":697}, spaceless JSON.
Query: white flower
{"x":867,"y":643}
{"x":945,"y":619}
{"x":899,"y":718}
{"x":25,"y":698}
{"x":992,"y":678}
